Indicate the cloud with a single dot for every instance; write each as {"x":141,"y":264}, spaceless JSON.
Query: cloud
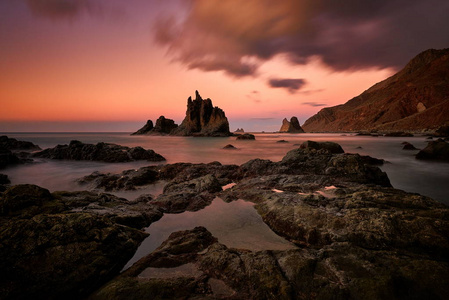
{"x":60,"y":8}
{"x":292,"y":85}
{"x":315,"y":104}
{"x":238,"y":36}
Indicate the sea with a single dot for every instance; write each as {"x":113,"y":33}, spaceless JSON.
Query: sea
{"x":233,"y":222}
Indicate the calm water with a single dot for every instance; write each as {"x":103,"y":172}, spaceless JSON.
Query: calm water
{"x":405,"y":172}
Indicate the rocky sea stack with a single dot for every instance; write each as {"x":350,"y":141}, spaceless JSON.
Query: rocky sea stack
{"x":203,"y":119}
{"x":163,"y":126}
{"x":414,"y":99}
{"x":292,"y":126}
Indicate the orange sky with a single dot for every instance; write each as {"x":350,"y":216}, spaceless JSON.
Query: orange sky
{"x":104,"y":65}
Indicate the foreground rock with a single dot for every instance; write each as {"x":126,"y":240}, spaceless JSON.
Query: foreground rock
{"x":435,"y":150}
{"x":65,"y":245}
{"x":291,"y":127}
{"x":77,"y":150}
{"x":203,"y":119}
{"x":163,"y":126}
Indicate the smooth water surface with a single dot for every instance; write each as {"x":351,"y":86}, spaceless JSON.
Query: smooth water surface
{"x":405,"y":172}
{"x":235,"y":224}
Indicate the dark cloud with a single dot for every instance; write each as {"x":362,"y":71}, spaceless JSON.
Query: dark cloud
{"x":292,"y":85}
{"x":237,"y":36}
{"x":69,"y":9}
{"x":310,"y":92}
{"x":315,"y":104}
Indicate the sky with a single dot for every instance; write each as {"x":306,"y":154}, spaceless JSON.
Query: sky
{"x":110,"y":65}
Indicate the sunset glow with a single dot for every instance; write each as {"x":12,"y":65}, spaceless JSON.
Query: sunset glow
{"x":112,"y":62}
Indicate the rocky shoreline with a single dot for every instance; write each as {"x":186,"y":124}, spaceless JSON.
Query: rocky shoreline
{"x":357,"y":237}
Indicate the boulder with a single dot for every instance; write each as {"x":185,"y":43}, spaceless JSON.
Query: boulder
{"x":435,"y":150}
{"x":246,"y":136}
{"x":230,"y":147}
{"x":65,"y":245}
{"x":77,"y":150}
{"x":329,"y":146}
{"x":13,"y":144}
{"x":291,"y":127}
{"x":408,"y":146}
{"x":203,"y":119}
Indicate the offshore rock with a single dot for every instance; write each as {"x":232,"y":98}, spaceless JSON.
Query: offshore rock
{"x":145,"y":129}
{"x":8,"y":158}
{"x":291,"y":127}
{"x":163,"y":126}
{"x":77,"y":150}
{"x":435,"y":150}
{"x":203,"y":119}
{"x":13,"y":144}
{"x":65,"y":245}
{"x":246,"y":136}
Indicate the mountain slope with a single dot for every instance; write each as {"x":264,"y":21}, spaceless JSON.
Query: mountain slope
{"x":414,"y":99}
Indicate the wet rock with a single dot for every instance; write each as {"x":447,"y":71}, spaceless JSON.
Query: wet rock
{"x":4,"y":181}
{"x":246,"y":136}
{"x":63,"y":245}
{"x":77,"y":150}
{"x":408,"y":146}
{"x":126,"y":180}
{"x":292,"y":126}
{"x":282,"y":141}
{"x":13,"y":144}
{"x":230,"y":147}
{"x":435,"y":150}
{"x":23,"y":196}
{"x":203,"y":119}
{"x":8,"y":158}
{"x":189,"y":195}
{"x":193,"y":264}
{"x":329,"y":146}
{"x":442,"y":131}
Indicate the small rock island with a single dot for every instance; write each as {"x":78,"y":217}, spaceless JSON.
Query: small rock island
{"x":202,"y":119}
{"x":291,"y":127}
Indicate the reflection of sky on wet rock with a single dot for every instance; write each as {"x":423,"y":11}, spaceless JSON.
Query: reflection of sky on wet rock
{"x":235,"y":224}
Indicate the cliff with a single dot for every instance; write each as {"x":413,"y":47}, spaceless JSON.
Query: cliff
{"x":203,"y":119}
{"x":414,"y":99}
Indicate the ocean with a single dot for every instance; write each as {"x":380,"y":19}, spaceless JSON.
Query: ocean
{"x":405,"y":172}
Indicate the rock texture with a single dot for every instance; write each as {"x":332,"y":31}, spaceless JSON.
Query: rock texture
{"x":291,"y":127}
{"x":203,"y":119}
{"x":77,"y":150}
{"x":65,"y":245}
{"x":13,"y":144}
{"x":246,"y":136}
{"x":414,"y":99}
{"x":435,"y":150}
{"x":163,"y":126}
